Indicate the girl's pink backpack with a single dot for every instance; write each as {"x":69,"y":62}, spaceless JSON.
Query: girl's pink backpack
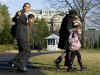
{"x":74,"y":42}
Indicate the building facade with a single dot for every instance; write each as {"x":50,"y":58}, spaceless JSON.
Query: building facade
{"x":53,"y":17}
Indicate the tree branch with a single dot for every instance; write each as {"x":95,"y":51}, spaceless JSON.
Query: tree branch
{"x":69,"y":4}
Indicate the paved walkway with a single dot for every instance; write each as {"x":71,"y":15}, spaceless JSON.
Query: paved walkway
{"x":5,"y":69}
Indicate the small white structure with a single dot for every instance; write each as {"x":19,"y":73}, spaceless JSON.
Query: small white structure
{"x":52,"y":42}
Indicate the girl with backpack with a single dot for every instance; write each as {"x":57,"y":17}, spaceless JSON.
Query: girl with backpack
{"x":75,"y":45}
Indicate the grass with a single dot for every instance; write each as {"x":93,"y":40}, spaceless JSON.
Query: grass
{"x":91,"y":58}
{"x":7,"y":47}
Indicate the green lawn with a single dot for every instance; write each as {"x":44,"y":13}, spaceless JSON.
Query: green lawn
{"x":7,"y":47}
{"x":46,"y":64}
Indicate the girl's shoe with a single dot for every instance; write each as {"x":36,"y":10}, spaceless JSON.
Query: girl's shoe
{"x":71,"y":69}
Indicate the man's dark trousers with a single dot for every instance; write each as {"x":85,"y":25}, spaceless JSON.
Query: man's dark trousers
{"x":24,"y":53}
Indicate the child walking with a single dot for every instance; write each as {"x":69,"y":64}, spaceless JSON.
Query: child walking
{"x":74,"y":40}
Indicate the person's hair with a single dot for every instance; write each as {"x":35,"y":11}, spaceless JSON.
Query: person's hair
{"x":73,"y":12}
{"x":26,"y":4}
{"x":31,"y":16}
{"x":75,"y":17}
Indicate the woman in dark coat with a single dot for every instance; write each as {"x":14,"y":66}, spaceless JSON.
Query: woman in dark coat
{"x":66,"y":28}
{"x":65,"y":31}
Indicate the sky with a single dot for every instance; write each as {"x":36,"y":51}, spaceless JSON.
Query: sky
{"x":15,"y":5}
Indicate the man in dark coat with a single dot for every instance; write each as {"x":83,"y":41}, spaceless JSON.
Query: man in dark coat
{"x":22,"y":37}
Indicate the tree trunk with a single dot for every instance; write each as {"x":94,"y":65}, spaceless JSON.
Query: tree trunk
{"x":83,"y":34}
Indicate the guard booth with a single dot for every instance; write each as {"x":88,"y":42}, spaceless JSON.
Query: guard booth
{"x":52,"y":42}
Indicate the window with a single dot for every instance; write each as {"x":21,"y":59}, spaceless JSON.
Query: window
{"x":51,"y":41}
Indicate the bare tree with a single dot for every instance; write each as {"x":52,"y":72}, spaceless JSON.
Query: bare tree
{"x":82,"y":7}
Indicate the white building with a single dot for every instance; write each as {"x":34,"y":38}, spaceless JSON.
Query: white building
{"x":52,"y":42}
{"x":51,"y":16}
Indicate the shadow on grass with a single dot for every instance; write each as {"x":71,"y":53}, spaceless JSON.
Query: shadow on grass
{"x":6,"y":70}
{"x":49,"y":67}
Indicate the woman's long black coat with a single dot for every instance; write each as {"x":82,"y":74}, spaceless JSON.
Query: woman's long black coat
{"x":64,"y":32}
